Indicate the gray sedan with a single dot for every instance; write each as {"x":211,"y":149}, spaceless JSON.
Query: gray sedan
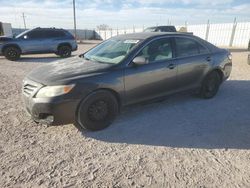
{"x":90,"y":89}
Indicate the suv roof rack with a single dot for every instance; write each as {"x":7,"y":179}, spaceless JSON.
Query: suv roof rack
{"x":48,"y":28}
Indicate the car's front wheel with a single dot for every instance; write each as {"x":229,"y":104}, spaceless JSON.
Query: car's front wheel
{"x":210,"y":85}
{"x":97,"y":111}
{"x":64,"y":51}
{"x":12,"y":53}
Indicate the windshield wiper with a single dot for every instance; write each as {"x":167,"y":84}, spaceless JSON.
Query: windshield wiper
{"x":82,"y":56}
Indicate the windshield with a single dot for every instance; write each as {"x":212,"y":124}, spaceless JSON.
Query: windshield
{"x":112,"y":51}
{"x":150,"y":29}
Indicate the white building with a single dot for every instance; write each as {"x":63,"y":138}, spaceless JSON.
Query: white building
{"x":5,"y":29}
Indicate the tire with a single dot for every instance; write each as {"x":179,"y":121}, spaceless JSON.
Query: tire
{"x":64,"y":51}
{"x":12,"y":53}
{"x":97,"y":111}
{"x":210,"y":85}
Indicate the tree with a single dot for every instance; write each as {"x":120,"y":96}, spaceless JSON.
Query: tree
{"x":103,"y":27}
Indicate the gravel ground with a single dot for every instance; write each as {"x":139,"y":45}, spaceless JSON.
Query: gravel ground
{"x":183,"y":141}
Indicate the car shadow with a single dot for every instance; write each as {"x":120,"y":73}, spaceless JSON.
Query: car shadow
{"x":184,"y":121}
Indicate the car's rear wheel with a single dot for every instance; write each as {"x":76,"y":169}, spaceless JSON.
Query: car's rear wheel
{"x":97,"y":111}
{"x":210,"y":85}
{"x":64,"y":51}
{"x":12,"y":53}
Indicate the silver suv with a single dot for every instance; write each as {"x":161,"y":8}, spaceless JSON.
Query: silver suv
{"x":38,"y":41}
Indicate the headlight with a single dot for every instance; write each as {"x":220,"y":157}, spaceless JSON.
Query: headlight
{"x":52,"y":91}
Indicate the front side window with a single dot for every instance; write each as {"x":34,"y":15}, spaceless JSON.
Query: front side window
{"x":21,"y":35}
{"x":35,"y":34}
{"x":157,"y":50}
{"x":112,"y":51}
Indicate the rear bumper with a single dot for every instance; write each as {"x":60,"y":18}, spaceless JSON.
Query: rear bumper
{"x":227,"y":70}
{"x":1,"y":47}
{"x":75,"y":47}
{"x":51,"y":111}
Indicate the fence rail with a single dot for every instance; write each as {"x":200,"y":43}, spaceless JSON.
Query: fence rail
{"x":225,"y":34}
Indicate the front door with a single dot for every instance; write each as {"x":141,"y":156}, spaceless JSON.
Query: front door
{"x":155,"y":78}
{"x":33,"y":41}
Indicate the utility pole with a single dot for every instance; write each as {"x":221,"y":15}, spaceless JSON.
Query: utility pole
{"x":74,"y":11}
{"x":24,"y":23}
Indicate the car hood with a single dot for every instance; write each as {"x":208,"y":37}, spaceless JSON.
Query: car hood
{"x":5,"y":39}
{"x":66,"y":70}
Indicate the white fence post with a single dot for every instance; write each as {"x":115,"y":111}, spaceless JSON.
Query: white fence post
{"x":233,"y":33}
{"x":207,"y":31}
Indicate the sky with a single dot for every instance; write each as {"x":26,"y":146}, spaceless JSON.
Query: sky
{"x":121,"y":13}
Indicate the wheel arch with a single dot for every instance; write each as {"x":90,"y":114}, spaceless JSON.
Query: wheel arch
{"x":216,"y":69}
{"x":219,"y":71}
{"x":11,"y":45}
{"x":64,"y":44}
{"x":113,"y":92}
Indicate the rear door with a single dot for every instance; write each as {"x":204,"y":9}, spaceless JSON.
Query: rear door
{"x":53,"y":38}
{"x":155,"y":78}
{"x":193,"y":61}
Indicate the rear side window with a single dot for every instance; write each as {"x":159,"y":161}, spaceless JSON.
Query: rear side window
{"x":54,"y":34}
{"x":60,"y":34}
{"x":202,"y":49}
{"x":188,"y":47}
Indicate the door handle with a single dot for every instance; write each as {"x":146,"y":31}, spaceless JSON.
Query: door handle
{"x":208,"y":58}
{"x":171,"y":66}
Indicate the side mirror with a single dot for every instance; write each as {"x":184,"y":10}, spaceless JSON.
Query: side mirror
{"x":140,"y":60}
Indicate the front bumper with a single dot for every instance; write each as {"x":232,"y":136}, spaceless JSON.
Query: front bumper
{"x":56,"y":110}
{"x":51,"y":111}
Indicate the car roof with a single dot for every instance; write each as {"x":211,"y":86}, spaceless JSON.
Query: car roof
{"x":48,"y":28}
{"x":146,"y":35}
{"x":162,"y":26}
{"x":150,"y":35}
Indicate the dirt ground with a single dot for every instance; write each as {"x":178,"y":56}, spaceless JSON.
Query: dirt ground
{"x":183,"y":141}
